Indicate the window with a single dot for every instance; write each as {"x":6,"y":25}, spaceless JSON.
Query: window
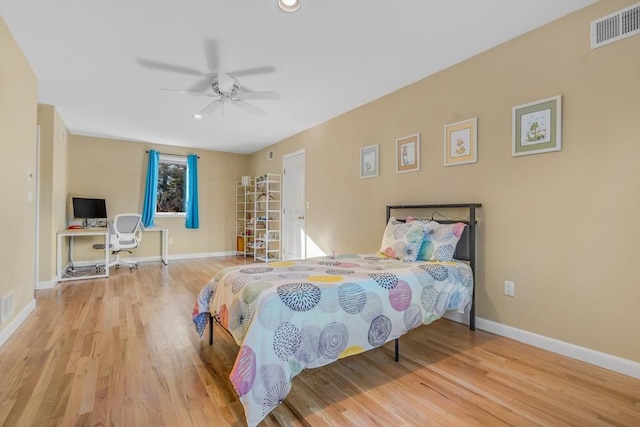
{"x":172,"y":174}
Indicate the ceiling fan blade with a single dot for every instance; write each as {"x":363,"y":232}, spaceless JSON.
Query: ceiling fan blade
{"x":249,"y":108}
{"x":168,"y":67}
{"x":201,"y":86}
{"x":211,"y":54}
{"x":210,"y":108}
{"x":253,"y":71}
{"x":188,"y":92}
{"x":270,"y":94}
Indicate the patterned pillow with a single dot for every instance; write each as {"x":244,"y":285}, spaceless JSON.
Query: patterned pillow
{"x":440,"y":240}
{"x":402,"y":241}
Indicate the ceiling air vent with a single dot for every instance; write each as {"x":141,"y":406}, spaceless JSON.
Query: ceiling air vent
{"x":616,"y":26}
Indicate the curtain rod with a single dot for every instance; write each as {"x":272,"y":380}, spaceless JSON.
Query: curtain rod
{"x":169,"y":154}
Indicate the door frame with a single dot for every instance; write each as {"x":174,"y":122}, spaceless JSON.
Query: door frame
{"x":36,"y":278}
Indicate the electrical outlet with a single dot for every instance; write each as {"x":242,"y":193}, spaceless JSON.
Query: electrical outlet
{"x":509,"y":288}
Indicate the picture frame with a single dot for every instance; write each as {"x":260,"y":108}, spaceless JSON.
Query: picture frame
{"x":461,"y":142}
{"x":537,"y":127}
{"x":408,"y":153}
{"x":369,"y":161}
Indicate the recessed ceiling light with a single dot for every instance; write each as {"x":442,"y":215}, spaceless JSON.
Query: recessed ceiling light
{"x":197,"y":116}
{"x":289,"y":5}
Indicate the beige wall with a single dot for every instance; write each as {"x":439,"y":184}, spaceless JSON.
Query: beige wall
{"x":53,"y":188}
{"x":18,"y":111}
{"x":116,"y":170}
{"x":564,"y":225}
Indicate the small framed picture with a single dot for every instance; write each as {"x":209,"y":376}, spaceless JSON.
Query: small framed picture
{"x":461,"y":142}
{"x":537,"y":127}
{"x":408,"y":153}
{"x":369,"y":161}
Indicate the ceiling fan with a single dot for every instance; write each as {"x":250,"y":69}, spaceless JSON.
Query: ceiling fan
{"x":226,"y":89}
{"x":222,"y":87}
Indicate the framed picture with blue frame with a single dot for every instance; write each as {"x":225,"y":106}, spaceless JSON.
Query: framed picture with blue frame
{"x":369,"y":161}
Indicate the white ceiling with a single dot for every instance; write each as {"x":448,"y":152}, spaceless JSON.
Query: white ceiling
{"x":328,"y":58}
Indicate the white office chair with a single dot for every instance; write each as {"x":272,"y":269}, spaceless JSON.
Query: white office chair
{"x":125,"y":233}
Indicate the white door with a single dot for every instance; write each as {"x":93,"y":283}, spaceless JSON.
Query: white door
{"x":293,"y":207}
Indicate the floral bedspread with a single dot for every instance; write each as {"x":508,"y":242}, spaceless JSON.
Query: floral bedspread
{"x":291,"y":315}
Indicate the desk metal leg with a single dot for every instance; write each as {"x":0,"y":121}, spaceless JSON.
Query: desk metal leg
{"x":165,"y":244}
{"x":107,"y":239}
{"x":59,"y":258}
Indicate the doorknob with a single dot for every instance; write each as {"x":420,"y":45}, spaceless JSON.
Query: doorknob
{"x":301,"y":217}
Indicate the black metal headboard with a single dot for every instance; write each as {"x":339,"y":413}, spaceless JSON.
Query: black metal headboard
{"x":466,"y":248}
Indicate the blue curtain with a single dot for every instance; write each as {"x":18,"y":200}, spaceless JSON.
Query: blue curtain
{"x":151,"y":191}
{"x":191,"y":192}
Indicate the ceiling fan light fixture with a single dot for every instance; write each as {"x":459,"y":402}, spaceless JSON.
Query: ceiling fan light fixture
{"x":289,"y":6}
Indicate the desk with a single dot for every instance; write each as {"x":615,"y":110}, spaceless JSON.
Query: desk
{"x":81,"y":232}
{"x":164,"y":236}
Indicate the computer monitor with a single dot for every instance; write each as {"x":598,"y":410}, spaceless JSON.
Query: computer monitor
{"x":89,"y":208}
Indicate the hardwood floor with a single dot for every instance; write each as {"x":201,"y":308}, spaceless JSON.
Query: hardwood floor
{"x":123,"y":352}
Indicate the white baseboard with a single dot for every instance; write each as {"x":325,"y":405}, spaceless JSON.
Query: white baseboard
{"x":156,"y":258}
{"x":597,"y":358}
{"x":17,"y":321}
{"x":201,"y":255}
{"x":46,"y":284}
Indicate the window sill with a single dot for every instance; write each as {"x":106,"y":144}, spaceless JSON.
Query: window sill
{"x":171,"y":214}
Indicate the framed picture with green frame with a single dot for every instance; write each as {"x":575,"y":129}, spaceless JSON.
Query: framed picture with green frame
{"x":537,"y":127}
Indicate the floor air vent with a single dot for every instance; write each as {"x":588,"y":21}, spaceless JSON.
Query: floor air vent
{"x":6,"y":309}
{"x":616,"y":26}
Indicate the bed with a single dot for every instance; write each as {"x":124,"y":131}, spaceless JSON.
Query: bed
{"x":293,"y":315}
